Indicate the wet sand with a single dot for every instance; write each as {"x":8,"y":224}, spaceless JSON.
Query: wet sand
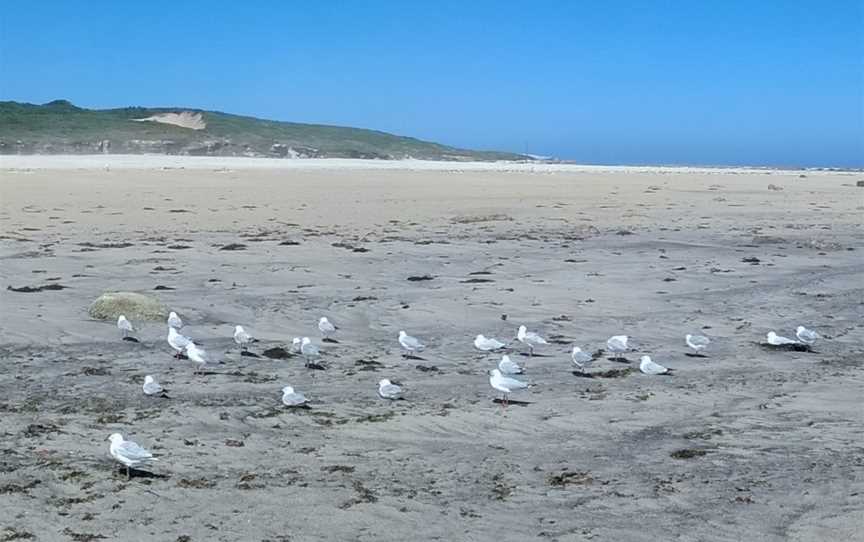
{"x":745,"y":444}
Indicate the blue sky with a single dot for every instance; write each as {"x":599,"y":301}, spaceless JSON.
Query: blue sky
{"x":684,"y":82}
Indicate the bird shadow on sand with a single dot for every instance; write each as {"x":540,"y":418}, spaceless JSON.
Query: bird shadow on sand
{"x":788,"y":347}
{"x":137,"y":473}
{"x":316,"y":367}
{"x":512,"y":402}
{"x":692,"y":355}
{"x":413,"y":357}
{"x":249,"y":354}
{"x":131,"y":339}
{"x":527,"y":355}
{"x":619,"y":359}
{"x":329,"y":340}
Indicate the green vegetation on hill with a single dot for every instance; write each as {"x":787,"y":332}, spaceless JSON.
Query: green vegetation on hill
{"x":60,"y":127}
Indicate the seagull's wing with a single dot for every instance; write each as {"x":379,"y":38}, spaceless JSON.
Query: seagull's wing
{"x":133,"y":452}
{"x":512,"y":383}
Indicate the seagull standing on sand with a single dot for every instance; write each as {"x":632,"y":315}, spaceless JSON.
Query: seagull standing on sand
{"x":481,"y":342}
{"x":388,"y":390}
{"x":697,"y":342}
{"x":508,"y":367}
{"x":151,"y":386}
{"x":177,"y":341}
{"x":175,"y":321}
{"x":410,"y":344}
{"x":241,"y":337}
{"x":309,"y":350}
{"x":529,"y":338}
{"x":128,"y":453}
{"x":777,"y":340}
{"x":505,"y":384}
{"x":581,"y":359}
{"x":124,"y":325}
{"x":806,"y":336}
{"x":650,"y":368}
{"x":325,"y":327}
{"x":617,"y":344}
{"x":197,"y":355}
{"x":291,"y":398}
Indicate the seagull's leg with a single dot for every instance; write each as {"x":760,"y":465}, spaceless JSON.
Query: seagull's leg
{"x":128,"y":473}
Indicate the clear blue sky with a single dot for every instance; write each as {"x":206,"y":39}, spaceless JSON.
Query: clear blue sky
{"x":698,"y":82}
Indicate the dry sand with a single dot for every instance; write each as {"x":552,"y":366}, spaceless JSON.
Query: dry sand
{"x":746,"y":444}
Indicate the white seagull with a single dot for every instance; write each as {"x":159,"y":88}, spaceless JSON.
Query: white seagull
{"x":617,"y":344}
{"x":241,"y":337}
{"x":806,"y":336}
{"x":481,"y":342}
{"x":325,"y":327}
{"x":697,"y":342}
{"x":175,"y":321}
{"x":650,"y":368}
{"x":410,"y":344}
{"x":777,"y":340}
{"x":124,"y":325}
{"x":508,"y":367}
{"x":388,"y":390}
{"x":309,"y":350}
{"x":292,"y":398}
{"x":151,"y":386}
{"x":177,"y":341}
{"x":581,"y":359}
{"x":128,"y":453}
{"x":197,"y":355}
{"x":505,"y":384}
{"x":529,"y":338}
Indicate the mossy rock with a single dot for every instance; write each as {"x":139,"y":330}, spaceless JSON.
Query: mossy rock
{"x":134,"y":306}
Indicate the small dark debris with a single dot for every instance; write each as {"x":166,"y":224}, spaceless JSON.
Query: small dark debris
{"x":418,"y":278}
{"x":364,"y":298}
{"x":234,"y":443}
{"x":160,"y":287}
{"x":427,"y":368}
{"x":277,"y":352}
{"x":289,"y":243}
{"x":178,"y":247}
{"x":233,"y":246}
{"x":248,"y":354}
{"x":614,"y":373}
{"x":751,"y":259}
{"x":30,"y":289}
{"x":474,"y":281}
{"x":687,"y":453}
{"x":566,"y":477}
{"x":337,"y":468}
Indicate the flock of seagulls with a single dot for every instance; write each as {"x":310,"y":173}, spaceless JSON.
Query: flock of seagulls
{"x":501,"y":379}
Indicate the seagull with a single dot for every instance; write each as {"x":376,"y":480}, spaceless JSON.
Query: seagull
{"x":697,"y":342}
{"x":410,"y":344}
{"x":508,"y":367}
{"x":241,"y":337}
{"x":325,"y":327}
{"x":582,"y":359}
{"x":197,"y":355}
{"x":505,"y":384}
{"x":308,"y":350}
{"x":151,"y":386}
{"x":177,"y":341}
{"x":175,"y":321}
{"x":650,"y":368}
{"x":776,"y":340}
{"x":487,"y":344}
{"x":388,"y":390}
{"x":529,"y":338}
{"x":124,"y":325}
{"x":806,"y":336}
{"x":291,"y":398}
{"x":617,"y":344}
{"x":128,"y":453}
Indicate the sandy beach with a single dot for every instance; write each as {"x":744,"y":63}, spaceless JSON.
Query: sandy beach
{"x":747,"y":443}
